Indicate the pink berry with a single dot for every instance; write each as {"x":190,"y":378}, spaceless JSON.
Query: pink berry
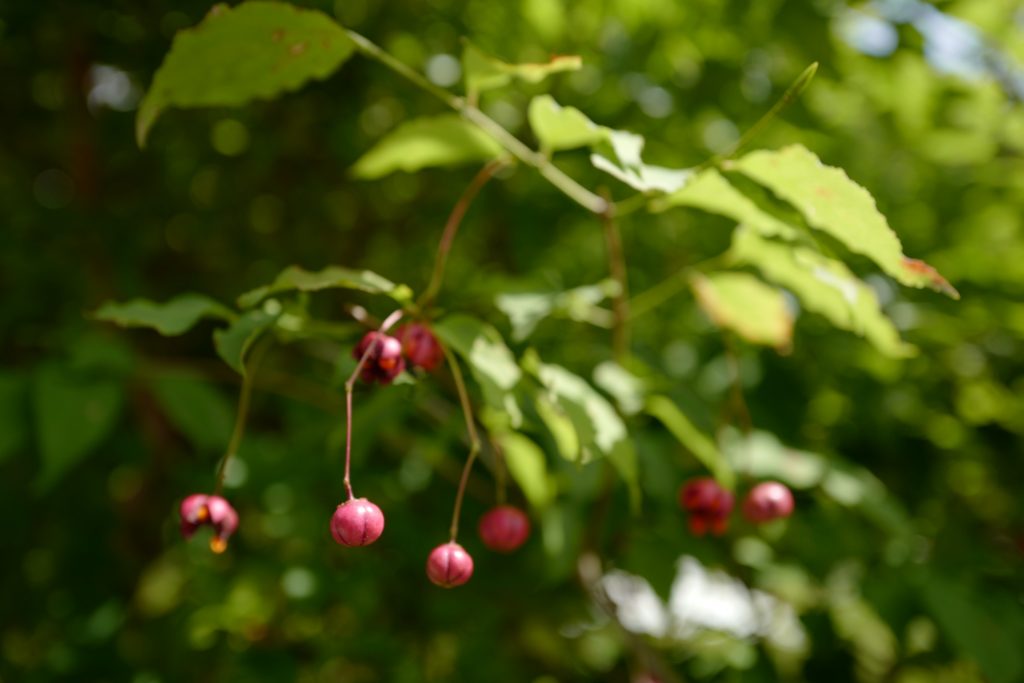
{"x":420,"y":346}
{"x":199,"y":509}
{"x":767,"y":501}
{"x":449,"y":565}
{"x":504,"y":528}
{"x":384,"y":361}
{"x":357,"y":522}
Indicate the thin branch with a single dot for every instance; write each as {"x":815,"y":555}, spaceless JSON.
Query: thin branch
{"x":474,"y":438}
{"x":451,"y":228}
{"x":350,"y":387}
{"x":572,"y":189}
{"x":242,"y":414}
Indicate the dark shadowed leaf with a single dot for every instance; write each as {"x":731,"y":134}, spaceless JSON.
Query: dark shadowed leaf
{"x":170,"y":318}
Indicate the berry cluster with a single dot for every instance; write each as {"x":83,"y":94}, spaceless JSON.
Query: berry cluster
{"x":357,"y":521}
{"x":709,"y":504}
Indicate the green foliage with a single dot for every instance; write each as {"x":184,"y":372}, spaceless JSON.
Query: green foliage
{"x":170,"y":319}
{"x":745,"y":305}
{"x":481,"y":71}
{"x":296,"y":278}
{"x":444,"y":140}
{"x":236,"y":55}
{"x":559,"y":128}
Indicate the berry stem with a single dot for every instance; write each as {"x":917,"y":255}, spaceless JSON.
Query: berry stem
{"x":350,"y":384}
{"x":500,"y":473}
{"x":242,"y":414}
{"x":474,"y":438}
{"x":451,"y":227}
{"x":617,"y":269}
{"x":554,"y":175}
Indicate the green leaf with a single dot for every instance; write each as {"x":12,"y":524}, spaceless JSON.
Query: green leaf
{"x":526,"y":463}
{"x":234,"y":342}
{"x":489,"y":359}
{"x":72,"y":417}
{"x":525,"y":310}
{"x":619,"y":156}
{"x":628,"y":390}
{"x":834,"y":204}
{"x":256,"y":50}
{"x":13,"y":414}
{"x":744,"y":304}
{"x":296,"y":278}
{"x":170,"y":319}
{"x":711,"y":192}
{"x":559,"y":128}
{"x":704,"y":449}
{"x":560,"y":426}
{"x":484,"y":72}
{"x":196,"y":409}
{"x":824,"y":286}
{"x":444,"y":140}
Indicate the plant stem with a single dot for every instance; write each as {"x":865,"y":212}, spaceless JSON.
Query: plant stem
{"x":617,"y":268}
{"x":474,"y":439}
{"x":500,"y":473}
{"x":350,"y":387}
{"x":579,"y":194}
{"x":242,"y":414}
{"x":451,"y":227}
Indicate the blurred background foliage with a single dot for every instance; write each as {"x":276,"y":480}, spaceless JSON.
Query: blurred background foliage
{"x":903,"y":561}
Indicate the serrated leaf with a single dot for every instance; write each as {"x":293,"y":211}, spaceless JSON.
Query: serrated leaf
{"x":526,"y":463}
{"x":445,"y":140}
{"x":619,"y":156}
{"x":711,"y":192}
{"x":170,"y":318}
{"x":560,"y":128}
{"x":196,"y":409}
{"x":526,"y":309}
{"x":834,"y":204}
{"x":332,"y":277}
{"x":489,"y":358}
{"x":686,"y":433}
{"x":256,"y":50}
{"x":233,"y":343}
{"x":73,"y":414}
{"x":482,"y":71}
{"x":824,"y":286}
{"x":13,"y":414}
{"x":744,"y":304}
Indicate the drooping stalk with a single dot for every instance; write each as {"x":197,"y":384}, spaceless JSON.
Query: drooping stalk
{"x":350,"y":384}
{"x":242,"y":414}
{"x":474,"y":439}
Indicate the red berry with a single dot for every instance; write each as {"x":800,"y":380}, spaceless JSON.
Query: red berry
{"x":504,"y":528}
{"x":384,"y":361}
{"x":420,"y":346}
{"x":357,"y":522}
{"x":709,"y":505}
{"x":767,"y":501}
{"x":449,"y":565}
{"x":200,"y":509}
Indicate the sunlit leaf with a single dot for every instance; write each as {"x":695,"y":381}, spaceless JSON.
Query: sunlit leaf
{"x":560,"y":425}
{"x":482,"y":71}
{"x":703,"y":448}
{"x":73,"y":415}
{"x":256,"y":50}
{"x":711,"y":192}
{"x":526,"y":463}
{"x":824,"y":286}
{"x":489,"y":358}
{"x":747,"y":306}
{"x":170,"y":318}
{"x":445,"y":140}
{"x":833,"y":203}
{"x":627,"y":389}
{"x":332,"y":277}
{"x":526,"y":309}
{"x":559,"y":128}
{"x":619,"y":156}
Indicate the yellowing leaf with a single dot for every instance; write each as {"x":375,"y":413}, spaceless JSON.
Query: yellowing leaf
{"x":750,"y":308}
{"x":485,"y":72}
{"x":833,"y":203}
{"x":824,"y":286}
{"x":256,"y":50}
{"x":444,"y":140}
